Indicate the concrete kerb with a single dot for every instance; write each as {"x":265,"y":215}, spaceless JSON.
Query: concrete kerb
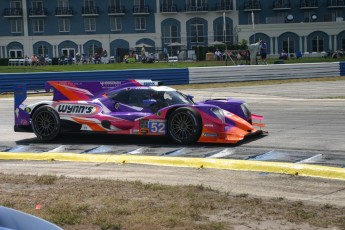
{"x":228,"y":164}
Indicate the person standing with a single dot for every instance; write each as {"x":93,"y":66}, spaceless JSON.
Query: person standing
{"x":263,"y":52}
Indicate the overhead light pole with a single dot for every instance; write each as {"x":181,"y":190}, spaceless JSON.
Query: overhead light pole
{"x":224,"y":39}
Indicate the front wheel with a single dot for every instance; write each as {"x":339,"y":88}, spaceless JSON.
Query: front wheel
{"x":184,"y":125}
{"x":46,"y":123}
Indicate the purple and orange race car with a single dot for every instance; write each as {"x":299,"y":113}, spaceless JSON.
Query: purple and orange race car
{"x":133,"y":107}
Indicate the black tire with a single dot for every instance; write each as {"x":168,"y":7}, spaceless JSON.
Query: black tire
{"x":184,"y":125}
{"x":46,"y":123}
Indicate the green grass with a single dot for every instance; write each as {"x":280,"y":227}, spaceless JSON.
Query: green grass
{"x":123,"y":66}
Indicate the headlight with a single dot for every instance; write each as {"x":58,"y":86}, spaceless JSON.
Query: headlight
{"x":219,"y":113}
{"x":246,"y":110}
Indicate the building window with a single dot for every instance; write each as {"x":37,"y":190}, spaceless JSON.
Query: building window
{"x":219,"y":34}
{"x":317,"y":44}
{"x":38,"y":25}
{"x":68,"y":52}
{"x":90,"y":24}
{"x":63,"y":3}
{"x":115,"y":23}
{"x":197,"y":32}
{"x":42,"y":50}
{"x":115,"y":3}
{"x":169,"y":34}
{"x":16,"y":26}
{"x":289,"y":45}
{"x":139,"y":2}
{"x":89,"y":4}
{"x":16,"y":53}
{"x":140,"y":23}
{"x":196,"y":3}
{"x":342,"y":44}
{"x":38,"y":4}
{"x":64,"y":25}
{"x":15,"y":4}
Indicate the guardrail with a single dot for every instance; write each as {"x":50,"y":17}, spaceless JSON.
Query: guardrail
{"x":179,"y":76}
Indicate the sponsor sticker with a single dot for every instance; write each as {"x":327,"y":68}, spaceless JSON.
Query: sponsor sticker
{"x":75,"y":109}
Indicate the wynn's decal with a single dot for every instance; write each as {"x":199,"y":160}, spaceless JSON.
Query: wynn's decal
{"x":75,"y":109}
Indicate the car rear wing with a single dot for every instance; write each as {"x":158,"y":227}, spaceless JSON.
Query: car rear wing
{"x":87,"y":90}
{"x":21,"y":118}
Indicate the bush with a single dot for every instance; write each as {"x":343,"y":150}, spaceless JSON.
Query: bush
{"x":3,"y":61}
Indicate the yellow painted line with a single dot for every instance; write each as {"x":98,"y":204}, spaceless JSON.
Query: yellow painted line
{"x":229,"y":164}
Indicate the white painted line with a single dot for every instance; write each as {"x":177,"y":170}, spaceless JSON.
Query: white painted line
{"x":59,"y":149}
{"x":137,"y":151}
{"x":310,"y":159}
{"x":225,"y":152}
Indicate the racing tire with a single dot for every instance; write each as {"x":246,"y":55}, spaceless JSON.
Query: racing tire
{"x":184,"y":125}
{"x":46,"y":123}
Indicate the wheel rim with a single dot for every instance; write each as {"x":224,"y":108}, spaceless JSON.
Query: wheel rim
{"x":44,"y":123}
{"x":182,"y":126}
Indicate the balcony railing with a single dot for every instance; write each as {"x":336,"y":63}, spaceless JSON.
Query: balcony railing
{"x":168,"y":8}
{"x":13,"y":12}
{"x":252,"y":5}
{"x":64,"y":11}
{"x":197,"y":8}
{"x":38,"y":12}
{"x":141,"y":9}
{"x":281,"y":5}
{"x":90,"y":11}
{"x":308,"y":4}
{"x":116,"y":10}
{"x":335,"y":3}
{"x":224,"y":7}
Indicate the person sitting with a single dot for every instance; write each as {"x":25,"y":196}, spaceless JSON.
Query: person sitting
{"x":34,"y":60}
{"x":41,"y":60}
{"x":218,"y":54}
{"x":284,"y":55}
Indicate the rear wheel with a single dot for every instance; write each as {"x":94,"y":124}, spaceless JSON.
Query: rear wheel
{"x":184,"y":125}
{"x":46,"y":123}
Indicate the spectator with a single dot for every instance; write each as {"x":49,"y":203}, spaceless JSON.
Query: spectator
{"x":298,"y":54}
{"x":41,"y":60}
{"x":263,"y":52}
{"x":284,"y":55}
{"x":69,"y":60}
{"x":97,"y":59}
{"x":34,"y":60}
{"x":78,"y":58}
{"x":47,"y":59}
{"x":105,"y":57}
{"x":143,"y":54}
{"x":166,"y":55}
{"x":26,"y":60}
{"x":217,"y":54}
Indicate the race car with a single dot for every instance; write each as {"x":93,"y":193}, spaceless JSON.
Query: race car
{"x":134,"y":107}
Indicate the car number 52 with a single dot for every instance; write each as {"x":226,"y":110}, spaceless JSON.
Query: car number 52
{"x":157,"y":127}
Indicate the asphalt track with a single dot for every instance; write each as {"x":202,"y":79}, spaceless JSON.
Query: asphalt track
{"x":305,"y":123}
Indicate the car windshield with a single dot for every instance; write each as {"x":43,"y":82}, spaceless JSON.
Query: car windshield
{"x":137,"y":97}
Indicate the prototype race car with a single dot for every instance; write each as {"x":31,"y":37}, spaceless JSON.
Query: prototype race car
{"x":133,"y":107}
